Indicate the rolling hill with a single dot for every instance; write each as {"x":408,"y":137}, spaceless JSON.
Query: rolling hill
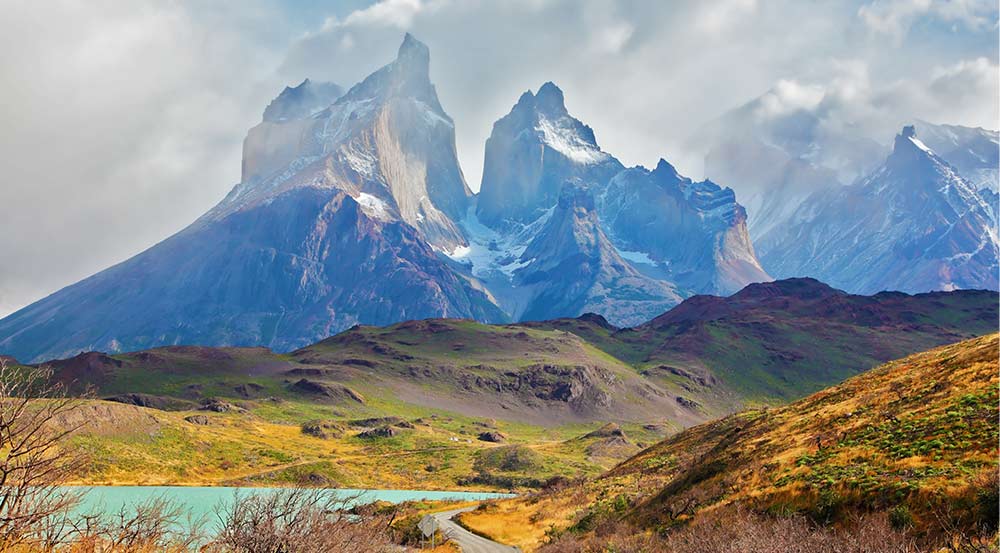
{"x":710,"y":356}
{"x":916,"y":437}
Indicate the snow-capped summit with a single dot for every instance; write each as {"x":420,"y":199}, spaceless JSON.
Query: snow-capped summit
{"x":338,"y":220}
{"x":531,"y":152}
{"x":913,"y":225}
{"x":387,"y":137}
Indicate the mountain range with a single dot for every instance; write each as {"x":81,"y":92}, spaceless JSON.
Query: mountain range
{"x":352,"y":209}
{"x":768,"y":343}
{"x":830,"y":199}
{"x":915,"y":224}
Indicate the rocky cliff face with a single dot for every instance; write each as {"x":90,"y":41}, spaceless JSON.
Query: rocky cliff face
{"x":695,"y":232}
{"x":336,"y":222}
{"x":913,"y":225}
{"x":386,"y":142}
{"x":352,"y":208}
{"x":572,"y":267}
{"x":531,"y":152}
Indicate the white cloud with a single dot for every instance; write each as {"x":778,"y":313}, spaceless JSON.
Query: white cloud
{"x":788,"y":96}
{"x":895,"y":17}
{"x":394,"y":13}
{"x":122,"y":121}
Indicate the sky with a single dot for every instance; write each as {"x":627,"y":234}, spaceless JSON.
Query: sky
{"x":122,"y":121}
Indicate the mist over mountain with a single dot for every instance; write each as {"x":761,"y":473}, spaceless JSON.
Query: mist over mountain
{"x":915,"y":224}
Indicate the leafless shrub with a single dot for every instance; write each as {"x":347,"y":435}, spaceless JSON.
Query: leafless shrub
{"x":738,"y":531}
{"x":154,"y":525}
{"x":300,"y":521}
{"x":33,"y":466}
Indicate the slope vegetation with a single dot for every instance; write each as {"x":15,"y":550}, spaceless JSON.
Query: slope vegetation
{"x":916,"y":437}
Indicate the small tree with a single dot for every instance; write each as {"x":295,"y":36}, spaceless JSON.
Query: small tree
{"x":33,"y":466}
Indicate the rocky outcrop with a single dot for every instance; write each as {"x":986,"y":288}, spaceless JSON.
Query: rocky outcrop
{"x":492,"y":436}
{"x":331,"y":392}
{"x":152,"y":401}
{"x":380,"y":432}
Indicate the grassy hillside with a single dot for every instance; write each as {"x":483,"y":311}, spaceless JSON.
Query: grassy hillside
{"x":778,"y":341}
{"x":542,"y":385}
{"x":916,"y":438}
{"x":135,"y":445}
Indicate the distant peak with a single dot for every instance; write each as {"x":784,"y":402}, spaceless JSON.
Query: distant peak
{"x":664,"y":168}
{"x":526,"y":99}
{"x":800,"y":287}
{"x":550,"y":98}
{"x":908,"y":146}
{"x":413,"y":52}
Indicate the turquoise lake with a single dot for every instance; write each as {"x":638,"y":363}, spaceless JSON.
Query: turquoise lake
{"x":202,"y":502}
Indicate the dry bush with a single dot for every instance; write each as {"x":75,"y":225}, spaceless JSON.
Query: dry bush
{"x":154,"y":525}
{"x":738,"y":531}
{"x":300,"y":521}
{"x":33,"y":466}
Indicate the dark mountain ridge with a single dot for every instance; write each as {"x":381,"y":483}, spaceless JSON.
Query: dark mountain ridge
{"x":708,"y":356}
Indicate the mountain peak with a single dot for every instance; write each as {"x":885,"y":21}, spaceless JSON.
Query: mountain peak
{"x":664,"y":168}
{"x":408,"y":76}
{"x":549,"y":101}
{"x":907,"y":142}
{"x":414,"y":53}
{"x":550,"y":98}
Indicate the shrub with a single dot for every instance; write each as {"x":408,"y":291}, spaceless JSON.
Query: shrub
{"x":512,"y":458}
{"x":900,"y":517}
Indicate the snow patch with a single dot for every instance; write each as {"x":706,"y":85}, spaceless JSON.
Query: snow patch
{"x":565,"y":140}
{"x":363,"y":163}
{"x":916,"y":142}
{"x":432,"y":117}
{"x":492,"y":253}
{"x":636,"y":257}
{"x":374,"y":206}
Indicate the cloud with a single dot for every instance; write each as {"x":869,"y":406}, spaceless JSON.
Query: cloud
{"x":122,"y":121}
{"x":895,"y":17}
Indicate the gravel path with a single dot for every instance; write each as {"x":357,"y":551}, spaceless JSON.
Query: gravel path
{"x":467,"y":541}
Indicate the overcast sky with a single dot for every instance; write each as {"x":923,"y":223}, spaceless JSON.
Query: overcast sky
{"x":121,"y":121}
